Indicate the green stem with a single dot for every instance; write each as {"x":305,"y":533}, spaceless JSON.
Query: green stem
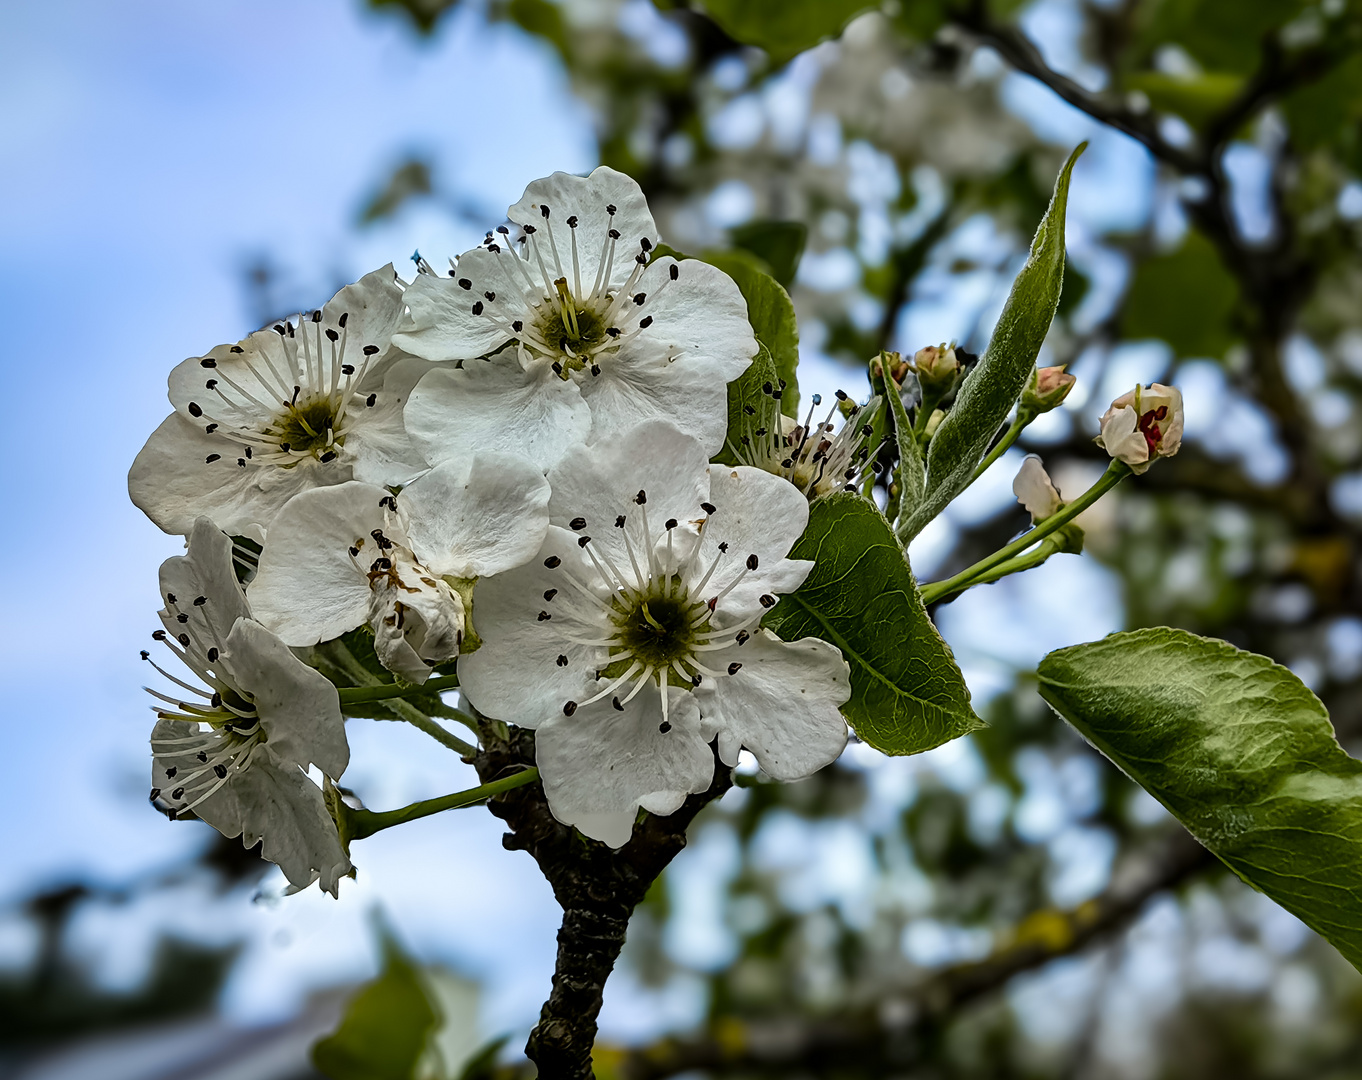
{"x":403,"y":710}
{"x":362,"y":823}
{"x":1049,"y":546}
{"x":353,"y":695}
{"x":1003,"y":445}
{"x":1116,"y":472}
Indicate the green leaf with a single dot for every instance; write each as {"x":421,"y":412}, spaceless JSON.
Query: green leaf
{"x":1185,"y":298}
{"x":1197,"y":100}
{"x":784,"y":28}
{"x":989,"y":391}
{"x":408,"y":181}
{"x":385,"y":1027}
{"x":768,"y":309}
{"x":911,"y":475}
{"x":543,"y":19}
{"x":907,"y":694}
{"x":779,"y":244}
{"x":1240,"y":751}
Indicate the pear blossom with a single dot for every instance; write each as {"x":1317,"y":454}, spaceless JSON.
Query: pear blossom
{"x":289,"y":408}
{"x":632,"y":640}
{"x":1035,"y":490}
{"x":817,"y":458}
{"x":569,"y":330}
{"x":338,"y":557}
{"x":234,"y":749}
{"x":1142,"y":425}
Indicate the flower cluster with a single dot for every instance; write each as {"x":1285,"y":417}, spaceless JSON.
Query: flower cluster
{"x":507,"y":469}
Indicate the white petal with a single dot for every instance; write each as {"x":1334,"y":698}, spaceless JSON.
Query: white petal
{"x":270,"y":802}
{"x":495,"y":406}
{"x":376,"y":443}
{"x":443,"y":325}
{"x":782,"y":704}
{"x":308,"y":588}
{"x":756,"y":513}
{"x":633,"y":389}
{"x":515,"y":675}
{"x":600,"y":765}
{"x":299,"y":709}
{"x":373,"y":307}
{"x":586,"y":198}
{"x":173,"y":483}
{"x":205,"y":571}
{"x":1035,"y":490}
{"x":1122,"y":439}
{"x":474,"y":517}
{"x":700,"y":319}
{"x":601,"y":483}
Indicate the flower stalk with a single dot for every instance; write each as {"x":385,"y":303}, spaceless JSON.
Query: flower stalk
{"x":357,"y":824}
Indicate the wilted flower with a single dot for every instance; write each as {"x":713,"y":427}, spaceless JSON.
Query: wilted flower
{"x":632,"y":641}
{"x":236,"y":751}
{"x":341,"y":556}
{"x":1142,"y":425}
{"x":581,"y":331}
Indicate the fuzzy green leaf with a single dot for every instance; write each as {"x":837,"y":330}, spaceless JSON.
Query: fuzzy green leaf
{"x":907,"y":694}
{"x":987,"y":395}
{"x":1240,"y":751}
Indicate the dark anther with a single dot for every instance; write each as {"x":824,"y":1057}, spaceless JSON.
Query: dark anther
{"x":614,"y":234}
{"x":210,"y":429}
{"x":867,"y":430}
{"x":212,"y":458}
{"x":183,"y":640}
{"x":645,"y":322}
{"x":503,"y":230}
{"x":199,"y":601}
{"x":569,"y":707}
{"x":724,"y":547}
{"x":369,"y":401}
{"x":146,"y":655}
{"x":610,"y":209}
{"x":155,"y":793}
{"x":178,"y":793}
{"x":220,"y":771}
{"x":767,"y":388}
{"x":212,"y":656}
{"x":639,"y":298}
{"x":549,"y":594}
{"x":615,"y":701}
{"x":330,"y":455}
{"x":332,"y":335}
{"x":675,"y":271}
{"x":553,"y":562}
{"x":612,"y":331}
{"x":171,"y":598}
{"x":171,"y":772}
{"x":751,"y":562}
{"x":347,"y":369}
{"x":182,"y":617}
{"x":695,"y":679}
{"x":208,"y":361}
{"x":278,"y":328}
{"x":317,"y":315}
{"x":345,"y":318}
{"x":709,"y":508}
{"x":670,"y":524}
{"x":595,"y":369}
{"x":734,"y":667}
{"x":562,"y":660}
{"x":743,"y":637}
{"x":641,"y":259}
{"x":248,"y":451}
{"x":557,"y":368}
{"x":641,"y":497}
{"x":645,"y":244}
{"x":577,"y":523}
{"x":159,"y":635}
{"x":544,"y":616}
{"x":664,"y":727}
{"x":582,"y":541}
{"x":464,"y":283}
{"x":767,"y":600}
{"x":490,"y":296}
{"x":841,"y":395}
{"x":477,"y":308}
{"x":572,"y":221}
{"x":354,"y":551}
{"x":369,"y":350}
{"x":194,"y":409}
{"x":619,"y":522}
{"x":529,"y":229}
{"x":544,"y":210}
{"x":517,"y":326}
{"x":211,"y":384}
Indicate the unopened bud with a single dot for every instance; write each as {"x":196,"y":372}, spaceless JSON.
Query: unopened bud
{"x":1048,"y":387}
{"x":937,"y":367}
{"x":934,"y":421}
{"x":1143,"y":425}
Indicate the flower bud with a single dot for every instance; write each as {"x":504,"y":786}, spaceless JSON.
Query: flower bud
{"x":937,"y":368}
{"x":1035,"y":490}
{"x":1048,"y":388}
{"x":1142,"y":425}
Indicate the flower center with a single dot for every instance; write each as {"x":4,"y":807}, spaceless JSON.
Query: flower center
{"x":308,"y":427}
{"x":815,"y":458}
{"x":1148,"y":425}
{"x":658,"y":629}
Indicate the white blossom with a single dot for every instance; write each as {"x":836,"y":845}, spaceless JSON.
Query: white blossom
{"x":289,"y":408}
{"x":568,"y":331}
{"x":235,"y":748}
{"x":633,"y":639}
{"x":817,"y":458}
{"x":338,"y":557}
{"x":1035,"y":490}
{"x":1142,"y":425}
